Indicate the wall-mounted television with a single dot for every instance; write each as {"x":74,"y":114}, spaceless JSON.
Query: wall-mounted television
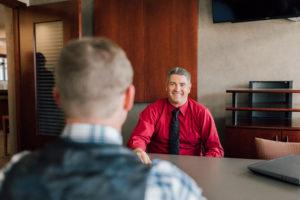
{"x":250,"y":10}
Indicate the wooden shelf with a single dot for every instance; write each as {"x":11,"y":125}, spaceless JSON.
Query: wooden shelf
{"x":265,"y":123}
{"x":264,"y":109}
{"x":265,"y":117}
{"x":262,"y":106}
{"x":247,"y":90}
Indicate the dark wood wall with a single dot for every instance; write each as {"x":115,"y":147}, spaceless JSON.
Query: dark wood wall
{"x":156,"y":35}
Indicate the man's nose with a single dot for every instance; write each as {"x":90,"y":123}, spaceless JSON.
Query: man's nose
{"x":177,"y":87}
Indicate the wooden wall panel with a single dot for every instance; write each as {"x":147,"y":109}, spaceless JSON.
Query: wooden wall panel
{"x":170,"y":41}
{"x":184,"y":40}
{"x":158,"y":58}
{"x":157,"y":36}
{"x":122,"y":22}
{"x":240,"y":141}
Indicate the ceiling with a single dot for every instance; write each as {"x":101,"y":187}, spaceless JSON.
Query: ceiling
{"x":38,"y":2}
{"x":28,"y":3}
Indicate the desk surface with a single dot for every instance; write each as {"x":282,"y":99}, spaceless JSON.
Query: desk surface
{"x":230,"y":179}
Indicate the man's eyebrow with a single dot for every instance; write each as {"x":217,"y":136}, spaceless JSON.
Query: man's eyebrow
{"x":177,"y":83}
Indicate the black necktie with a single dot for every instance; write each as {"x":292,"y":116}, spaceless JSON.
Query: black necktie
{"x":174,"y":133}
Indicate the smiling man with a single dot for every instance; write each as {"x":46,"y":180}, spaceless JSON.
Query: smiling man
{"x":177,"y":124}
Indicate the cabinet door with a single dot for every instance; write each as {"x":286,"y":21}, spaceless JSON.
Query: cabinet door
{"x":240,"y":141}
{"x":290,"y":136}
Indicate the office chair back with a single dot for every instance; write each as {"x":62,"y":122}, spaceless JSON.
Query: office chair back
{"x":269,"y":149}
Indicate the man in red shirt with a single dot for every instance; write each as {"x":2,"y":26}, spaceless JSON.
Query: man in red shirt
{"x":197,"y":131}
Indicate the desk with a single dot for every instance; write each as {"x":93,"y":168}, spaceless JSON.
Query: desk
{"x":230,"y":179}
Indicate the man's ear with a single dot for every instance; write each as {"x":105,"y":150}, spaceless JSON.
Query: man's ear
{"x":129,"y":97}
{"x":56,"y":96}
{"x":190,"y":87}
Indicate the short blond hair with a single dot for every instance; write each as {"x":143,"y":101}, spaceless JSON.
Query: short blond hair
{"x":91,"y":75}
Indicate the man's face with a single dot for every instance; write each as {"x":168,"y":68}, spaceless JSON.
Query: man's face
{"x":178,"y":89}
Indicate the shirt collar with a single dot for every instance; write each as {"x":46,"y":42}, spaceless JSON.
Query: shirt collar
{"x":182,"y":108}
{"x":91,"y":133}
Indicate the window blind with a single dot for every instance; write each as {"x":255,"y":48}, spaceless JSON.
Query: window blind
{"x":48,"y":43}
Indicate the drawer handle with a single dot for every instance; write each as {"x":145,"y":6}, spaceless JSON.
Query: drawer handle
{"x":276,"y":138}
{"x":287,"y":139}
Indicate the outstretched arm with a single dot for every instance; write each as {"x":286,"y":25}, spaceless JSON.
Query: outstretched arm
{"x":142,"y":134}
{"x":210,"y":138}
{"x":142,"y":155}
{"x":166,"y":181}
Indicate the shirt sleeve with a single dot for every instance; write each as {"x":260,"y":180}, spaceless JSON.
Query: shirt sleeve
{"x":143,"y":131}
{"x":15,"y":159}
{"x":166,"y":181}
{"x":210,"y":138}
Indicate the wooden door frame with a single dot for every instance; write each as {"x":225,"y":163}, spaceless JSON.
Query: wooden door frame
{"x":17,"y":76}
{"x":15,"y":5}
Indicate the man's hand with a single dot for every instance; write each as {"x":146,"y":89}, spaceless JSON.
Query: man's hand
{"x":142,"y":155}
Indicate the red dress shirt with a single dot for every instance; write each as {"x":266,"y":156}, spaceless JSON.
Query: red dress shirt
{"x":198,"y":134}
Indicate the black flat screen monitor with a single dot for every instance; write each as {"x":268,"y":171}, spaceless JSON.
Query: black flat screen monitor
{"x":249,"y":10}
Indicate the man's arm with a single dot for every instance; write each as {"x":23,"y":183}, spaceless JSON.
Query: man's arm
{"x":14,"y":160}
{"x":143,"y":156}
{"x":142,"y":134}
{"x":166,"y":181}
{"x":210,"y":138}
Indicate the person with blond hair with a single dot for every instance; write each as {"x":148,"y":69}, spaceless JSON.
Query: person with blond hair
{"x":94,"y":88}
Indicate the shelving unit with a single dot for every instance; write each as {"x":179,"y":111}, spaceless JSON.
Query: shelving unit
{"x":259,"y":107}
{"x":241,"y":131}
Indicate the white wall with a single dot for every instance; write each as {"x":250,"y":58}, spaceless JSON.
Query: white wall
{"x":232,"y":54}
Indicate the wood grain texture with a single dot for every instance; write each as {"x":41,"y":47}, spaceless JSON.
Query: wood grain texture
{"x":17,"y":76}
{"x":240,"y":141}
{"x":290,"y":136}
{"x":263,"y":91}
{"x":29,"y":138}
{"x":122,"y":22}
{"x":264,"y":109}
{"x":156,"y":35}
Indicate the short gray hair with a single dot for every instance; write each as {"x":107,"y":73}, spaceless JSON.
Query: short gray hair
{"x":91,"y":75}
{"x":179,"y":71}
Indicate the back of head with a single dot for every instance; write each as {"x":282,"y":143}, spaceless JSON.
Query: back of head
{"x":40,"y":58}
{"x":91,"y":75}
